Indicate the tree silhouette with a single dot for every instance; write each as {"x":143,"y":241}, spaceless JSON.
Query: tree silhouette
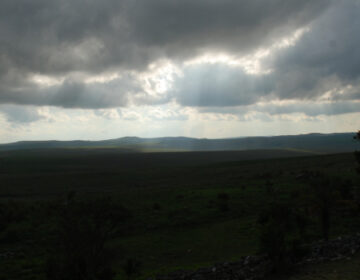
{"x":357,"y":153}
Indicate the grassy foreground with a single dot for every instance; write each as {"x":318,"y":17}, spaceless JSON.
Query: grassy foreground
{"x":182,"y":215}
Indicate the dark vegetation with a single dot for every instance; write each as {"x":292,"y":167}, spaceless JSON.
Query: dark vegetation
{"x":357,"y":153}
{"x":102,"y":214}
{"x":83,"y":228}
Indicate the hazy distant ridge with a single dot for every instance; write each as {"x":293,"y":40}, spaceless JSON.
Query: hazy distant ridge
{"x":338,"y":142}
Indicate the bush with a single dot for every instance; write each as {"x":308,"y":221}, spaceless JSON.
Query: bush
{"x":282,"y":235}
{"x":223,"y":202}
{"x":79,"y":250}
{"x":9,"y":236}
{"x":357,"y":153}
{"x":132,"y":267}
{"x":325,"y":196}
{"x":156,"y":206}
{"x":10,"y":213}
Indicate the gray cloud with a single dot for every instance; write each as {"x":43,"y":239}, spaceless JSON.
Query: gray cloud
{"x":311,"y":109}
{"x":184,"y":28}
{"x":77,"y":94}
{"x":60,"y":38}
{"x":20,"y":114}
{"x":328,"y":52}
{"x":76,"y":38}
{"x":57,"y":36}
{"x":325,"y":59}
{"x":219,"y":85}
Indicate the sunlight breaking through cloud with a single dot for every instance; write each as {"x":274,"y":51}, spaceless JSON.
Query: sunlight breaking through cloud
{"x":179,"y":67}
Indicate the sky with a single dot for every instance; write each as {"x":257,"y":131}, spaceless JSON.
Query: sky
{"x":89,"y":69}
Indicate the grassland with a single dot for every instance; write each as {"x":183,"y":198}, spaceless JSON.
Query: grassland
{"x":178,"y":219}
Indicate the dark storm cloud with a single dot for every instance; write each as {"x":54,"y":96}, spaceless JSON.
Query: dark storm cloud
{"x":330,"y":50}
{"x":325,"y":59}
{"x":187,"y":27}
{"x":77,"y":94}
{"x":43,"y":35}
{"x":59,"y":38}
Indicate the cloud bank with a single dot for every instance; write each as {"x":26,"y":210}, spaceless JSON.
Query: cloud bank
{"x":224,"y":57}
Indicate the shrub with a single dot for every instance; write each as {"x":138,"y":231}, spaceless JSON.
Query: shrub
{"x":156,"y":206}
{"x":282,"y":235}
{"x":10,"y":213}
{"x":223,"y":202}
{"x":357,"y":153}
{"x":79,"y":250}
{"x":132,"y":267}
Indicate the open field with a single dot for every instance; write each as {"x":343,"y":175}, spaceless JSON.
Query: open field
{"x":187,"y":210}
{"x":56,"y":171}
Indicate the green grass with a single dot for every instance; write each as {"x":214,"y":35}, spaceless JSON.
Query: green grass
{"x":177,"y":221}
{"x":170,"y":249}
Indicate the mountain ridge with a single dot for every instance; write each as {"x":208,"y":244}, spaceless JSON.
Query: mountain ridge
{"x":312,"y":142}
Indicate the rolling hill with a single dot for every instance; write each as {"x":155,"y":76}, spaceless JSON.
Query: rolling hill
{"x":312,"y":143}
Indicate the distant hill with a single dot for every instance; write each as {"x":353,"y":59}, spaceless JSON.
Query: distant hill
{"x":311,"y":143}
